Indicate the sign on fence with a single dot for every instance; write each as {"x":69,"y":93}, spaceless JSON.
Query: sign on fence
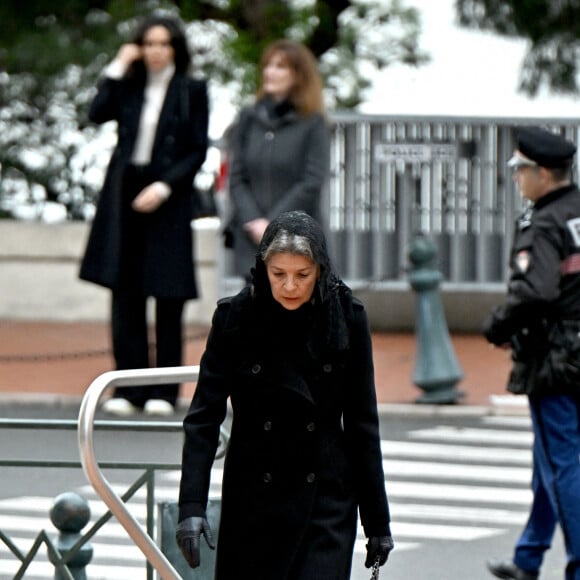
{"x":415,"y":152}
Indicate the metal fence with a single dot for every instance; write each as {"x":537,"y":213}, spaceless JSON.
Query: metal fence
{"x":75,"y":543}
{"x":396,"y":177}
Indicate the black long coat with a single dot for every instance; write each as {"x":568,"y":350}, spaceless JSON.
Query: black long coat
{"x":278,"y":164}
{"x":304,"y":451}
{"x":179,"y":150}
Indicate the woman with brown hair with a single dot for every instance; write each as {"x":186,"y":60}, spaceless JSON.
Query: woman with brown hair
{"x":281,"y":148}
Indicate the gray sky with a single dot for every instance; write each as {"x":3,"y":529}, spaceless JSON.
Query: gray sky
{"x":471,"y":73}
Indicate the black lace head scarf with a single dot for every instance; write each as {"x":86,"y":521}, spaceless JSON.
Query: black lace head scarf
{"x":332,"y":299}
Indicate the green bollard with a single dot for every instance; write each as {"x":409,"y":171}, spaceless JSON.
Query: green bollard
{"x":436,"y":368}
{"x":69,"y":514}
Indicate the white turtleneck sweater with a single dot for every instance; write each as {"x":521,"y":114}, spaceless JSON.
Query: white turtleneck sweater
{"x":155,"y":91}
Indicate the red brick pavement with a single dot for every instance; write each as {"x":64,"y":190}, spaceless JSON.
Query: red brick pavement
{"x":42,"y":358}
{"x":61,"y":358}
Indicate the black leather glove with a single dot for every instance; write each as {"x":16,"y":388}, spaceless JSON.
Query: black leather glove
{"x":378,"y":547}
{"x":188,"y":533}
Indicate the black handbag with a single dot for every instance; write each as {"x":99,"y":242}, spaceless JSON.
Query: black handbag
{"x":204,"y":204}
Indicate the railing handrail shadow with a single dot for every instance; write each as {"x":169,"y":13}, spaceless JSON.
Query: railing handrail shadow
{"x":102,"y":487}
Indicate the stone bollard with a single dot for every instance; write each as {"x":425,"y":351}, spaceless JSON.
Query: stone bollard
{"x":436,"y":368}
{"x":70,"y":513}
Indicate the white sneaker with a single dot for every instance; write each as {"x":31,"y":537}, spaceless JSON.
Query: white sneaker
{"x":119,"y":407}
{"x":158,"y":407}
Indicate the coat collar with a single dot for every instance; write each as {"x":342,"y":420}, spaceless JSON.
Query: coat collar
{"x":554,"y":195}
{"x":261,"y":112}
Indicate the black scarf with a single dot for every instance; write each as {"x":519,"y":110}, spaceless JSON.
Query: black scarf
{"x":326,"y":315}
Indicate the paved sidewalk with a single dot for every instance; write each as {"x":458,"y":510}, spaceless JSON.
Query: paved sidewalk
{"x":58,"y":360}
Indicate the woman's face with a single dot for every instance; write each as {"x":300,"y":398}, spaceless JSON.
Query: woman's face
{"x":157,"y":50}
{"x":278,"y":78}
{"x":292,"y":279}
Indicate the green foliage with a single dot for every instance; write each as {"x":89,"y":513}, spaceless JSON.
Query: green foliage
{"x":52,"y":52}
{"x":46,"y":36}
{"x":553,"y":29}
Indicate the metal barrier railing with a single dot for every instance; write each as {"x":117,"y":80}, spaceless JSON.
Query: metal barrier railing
{"x":61,"y":560}
{"x":86,"y":420}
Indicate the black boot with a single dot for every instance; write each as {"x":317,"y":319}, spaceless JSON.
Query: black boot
{"x":509,"y":571}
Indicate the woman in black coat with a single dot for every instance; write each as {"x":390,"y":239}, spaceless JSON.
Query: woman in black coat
{"x":280,"y":149}
{"x":140,"y":244}
{"x":293,"y":354}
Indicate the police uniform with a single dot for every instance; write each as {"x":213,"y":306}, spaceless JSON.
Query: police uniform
{"x":541,"y":320}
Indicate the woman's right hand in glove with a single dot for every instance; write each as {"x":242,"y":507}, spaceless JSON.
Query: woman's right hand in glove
{"x":188,"y":535}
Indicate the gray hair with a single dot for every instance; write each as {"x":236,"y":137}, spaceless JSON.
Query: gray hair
{"x":287,"y":243}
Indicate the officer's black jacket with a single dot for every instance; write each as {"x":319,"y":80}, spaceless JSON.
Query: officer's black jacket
{"x":545,"y":267}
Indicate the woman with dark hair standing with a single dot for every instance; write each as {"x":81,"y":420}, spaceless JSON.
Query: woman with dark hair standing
{"x":281,"y":148}
{"x":140,"y":244}
{"x":293,"y":354}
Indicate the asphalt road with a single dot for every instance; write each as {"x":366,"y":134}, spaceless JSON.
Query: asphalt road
{"x":458,"y":485}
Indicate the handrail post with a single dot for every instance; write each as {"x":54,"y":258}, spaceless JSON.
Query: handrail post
{"x":70,"y":513}
{"x":165,"y":375}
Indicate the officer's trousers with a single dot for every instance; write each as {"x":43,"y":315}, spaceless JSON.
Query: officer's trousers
{"x":555,"y":483}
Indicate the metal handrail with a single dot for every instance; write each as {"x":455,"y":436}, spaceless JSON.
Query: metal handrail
{"x":90,"y":465}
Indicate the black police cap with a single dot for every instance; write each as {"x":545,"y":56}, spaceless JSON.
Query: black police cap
{"x":547,"y":149}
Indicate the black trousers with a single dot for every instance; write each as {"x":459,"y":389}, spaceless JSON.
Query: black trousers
{"x":129,"y":326}
{"x":131,"y":342}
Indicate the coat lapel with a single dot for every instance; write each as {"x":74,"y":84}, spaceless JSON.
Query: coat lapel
{"x":170,"y":104}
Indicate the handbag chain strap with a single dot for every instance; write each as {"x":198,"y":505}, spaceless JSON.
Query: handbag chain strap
{"x":375,"y":569}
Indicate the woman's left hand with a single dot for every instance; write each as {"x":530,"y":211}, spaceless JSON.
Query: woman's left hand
{"x":148,"y":200}
{"x":378,"y":547}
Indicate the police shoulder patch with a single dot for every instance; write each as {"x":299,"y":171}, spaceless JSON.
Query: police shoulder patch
{"x":523,"y":259}
{"x":574,"y":226}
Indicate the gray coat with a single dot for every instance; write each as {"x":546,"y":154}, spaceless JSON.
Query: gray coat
{"x":278,"y":165}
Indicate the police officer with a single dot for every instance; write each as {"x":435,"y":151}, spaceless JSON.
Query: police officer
{"x":540,"y":321}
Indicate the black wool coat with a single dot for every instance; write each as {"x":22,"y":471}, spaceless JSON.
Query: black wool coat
{"x":179,"y":150}
{"x":304,"y":451}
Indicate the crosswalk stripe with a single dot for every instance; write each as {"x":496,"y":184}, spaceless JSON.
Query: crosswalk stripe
{"x":495,"y":455}
{"x":458,"y":472}
{"x":116,"y":551}
{"x":40,"y":570}
{"x":482,"y":436}
{"x":454,"y":493}
{"x":42,"y":506}
{"x":457,"y":513}
{"x":360,"y":546}
{"x":33,"y":525}
{"x":442,"y":532}
{"x":508,"y":421}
